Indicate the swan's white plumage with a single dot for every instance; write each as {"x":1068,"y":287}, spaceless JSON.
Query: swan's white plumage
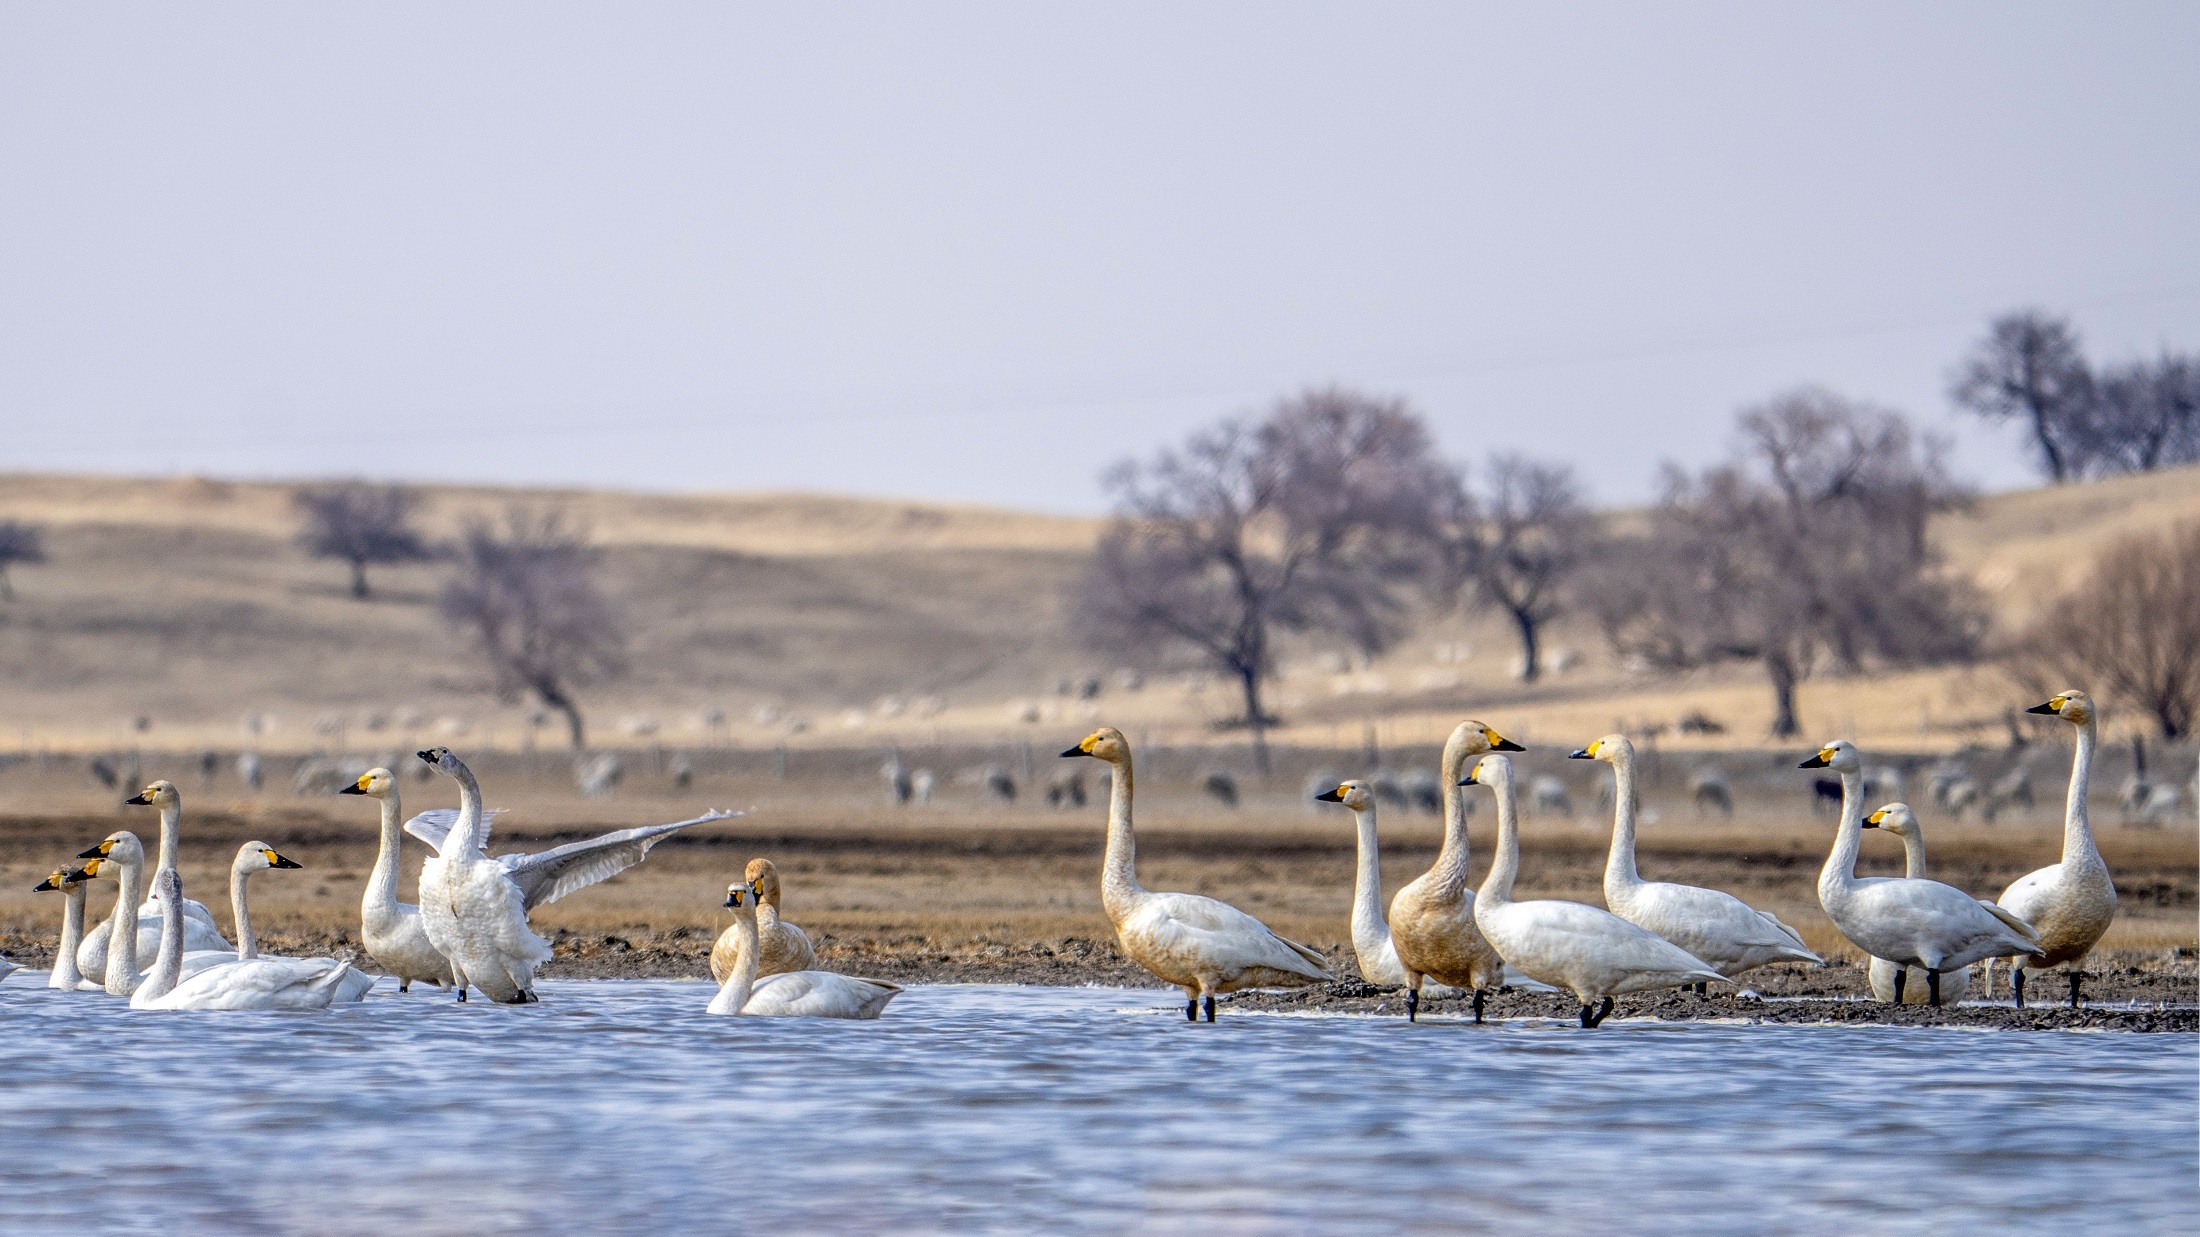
{"x":790,"y":994}
{"x":203,"y":932}
{"x":249,"y":983}
{"x":1898,"y":819}
{"x":786,"y":947}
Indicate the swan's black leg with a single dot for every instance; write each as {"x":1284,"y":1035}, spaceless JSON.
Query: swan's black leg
{"x":1479,"y":994}
{"x":2075,"y":976}
{"x":2016,"y":982}
{"x":404,"y":985}
{"x":1932,"y":988}
{"x":1191,"y":1009}
{"x":1413,"y":1005}
{"x":1703,"y":989}
{"x":1209,"y":1002}
{"x":1585,"y":1012}
{"x":462,"y":992}
{"x":1603,"y":1011}
{"x":1901,"y":977}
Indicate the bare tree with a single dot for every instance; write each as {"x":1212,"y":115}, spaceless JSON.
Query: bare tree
{"x":1517,"y":549}
{"x":1810,"y":547}
{"x":19,"y":543}
{"x":1315,"y":519}
{"x":2030,"y":367}
{"x":2146,"y":415}
{"x":526,"y":596}
{"x":362,"y":525}
{"x":2132,"y":626}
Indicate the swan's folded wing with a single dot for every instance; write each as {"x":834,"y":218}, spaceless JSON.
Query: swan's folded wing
{"x":2016,"y":925}
{"x":551,"y":875}
{"x":1209,"y":928}
{"x":1790,"y":933}
{"x":434,"y":825}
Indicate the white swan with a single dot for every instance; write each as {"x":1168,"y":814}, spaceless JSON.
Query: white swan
{"x":475,"y":908}
{"x":792,"y":994}
{"x":1920,"y":923}
{"x":202,"y":933}
{"x":1586,"y":950}
{"x":1431,"y":920}
{"x":786,"y":947}
{"x":249,"y":984}
{"x":394,"y":935}
{"x":1899,"y":820}
{"x":72,"y":884}
{"x":2070,"y":904}
{"x":122,"y":856}
{"x":1372,"y":947}
{"x":1201,"y":945}
{"x":1716,"y":927}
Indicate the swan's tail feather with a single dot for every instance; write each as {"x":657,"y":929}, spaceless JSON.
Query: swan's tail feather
{"x":2020,"y":927}
{"x":1313,"y":958}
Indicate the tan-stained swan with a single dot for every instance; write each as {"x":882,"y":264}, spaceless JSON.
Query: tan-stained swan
{"x":1432,"y":918}
{"x":1920,"y":923}
{"x":252,"y":983}
{"x":790,"y":994}
{"x":475,"y":908}
{"x":201,"y":932}
{"x":1201,"y":945}
{"x":1899,"y":820}
{"x":786,"y":947}
{"x":394,"y":935}
{"x":1586,"y":950}
{"x":71,"y":884}
{"x":2070,"y":904}
{"x":1718,"y":928}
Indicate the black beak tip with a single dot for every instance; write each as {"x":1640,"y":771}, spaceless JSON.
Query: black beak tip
{"x":1329,"y":796}
{"x":1076,"y":751}
{"x":139,"y":799}
{"x":93,"y":853}
{"x":2048,"y":709}
{"x":426,"y":755}
{"x":1507,"y":745}
{"x":1814,"y":762}
{"x":1468,"y":780}
{"x":44,"y":885}
{"x":353,"y":789}
{"x":1581,"y":754}
{"x":288,"y":863}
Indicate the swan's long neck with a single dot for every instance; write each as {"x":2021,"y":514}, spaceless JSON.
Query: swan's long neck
{"x":65,"y":975}
{"x":1451,"y":862}
{"x":1913,"y":854}
{"x":1619,"y":864}
{"x":382,"y":881}
{"x":465,"y":836}
{"x":1839,"y":875}
{"x":122,"y":931}
{"x":734,"y":995}
{"x":171,"y":821}
{"x":1119,"y":867}
{"x":1367,"y":886}
{"x":2078,"y":845}
{"x":248,"y":945}
{"x":1497,"y":887}
{"x":168,"y":967}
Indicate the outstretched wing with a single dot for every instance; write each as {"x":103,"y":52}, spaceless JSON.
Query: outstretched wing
{"x":552,"y":874}
{"x":434,"y":825}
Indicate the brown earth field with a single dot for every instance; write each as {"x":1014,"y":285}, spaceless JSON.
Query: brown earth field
{"x":969,"y":892}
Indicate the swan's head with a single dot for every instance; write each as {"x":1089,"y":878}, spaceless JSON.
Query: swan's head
{"x":259,"y":857}
{"x":374,"y":783}
{"x":1106,"y":743}
{"x":1611,"y":749}
{"x":741,"y":898}
{"x":442,"y":758}
{"x":66,"y":880}
{"x":1353,"y":794}
{"x":120,"y":848}
{"x":161,"y":793}
{"x":1895,"y":818}
{"x":2072,"y":706}
{"x":1472,"y":738}
{"x":1839,"y":755}
{"x":764,"y":878}
{"x":1493,"y":770}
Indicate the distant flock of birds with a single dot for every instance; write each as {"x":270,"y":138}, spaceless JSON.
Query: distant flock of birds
{"x":471,"y":930}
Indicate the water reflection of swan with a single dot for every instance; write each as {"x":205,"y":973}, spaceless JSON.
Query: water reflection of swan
{"x":71,"y":883}
{"x":786,"y":947}
{"x":1899,"y":820}
{"x":394,"y":935}
{"x":1432,"y":918}
{"x":201,"y":931}
{"x":794,"y":994}
{"x":1201,"y":945}
{"x":2071,"y":903}
{"x":1717,"y":928}
{"x":1920,"y":923}
{"x":252,"y":983}
{"x":1585,"y":949}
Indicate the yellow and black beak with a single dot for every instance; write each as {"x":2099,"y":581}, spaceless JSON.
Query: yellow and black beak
{"x":356,"y":788}
{"x":1083,"y":748}
{"x":734,"y":895}
{"x":1499,"y":743}
{"x":277,"y":861}
{"x":1330,"y":796}
{"x":1819,"y":761}
{"x":2051,"y":708}
{"x":55,"y":881}
{"x":1586,"y":753}
{"x":1468,"y":780}
{"x":139,"y":799}
{"x":1872,"y":821}
{"x":97,"y":852}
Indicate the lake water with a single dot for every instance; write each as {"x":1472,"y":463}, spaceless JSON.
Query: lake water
{"x":621,"y":1107}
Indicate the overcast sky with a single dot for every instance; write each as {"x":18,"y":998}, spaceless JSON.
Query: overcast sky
{"x":977,"y":252}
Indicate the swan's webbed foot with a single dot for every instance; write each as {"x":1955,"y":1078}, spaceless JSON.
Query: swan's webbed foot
{"x":1209,"y":1003}
{"x":2016,"y":982}
{"x":2075,"y":976}
{"x":1902,"y":976}
{"x":1479,"y":996}
{"x":1932,"y":989}
{"x":1413,"y":1005}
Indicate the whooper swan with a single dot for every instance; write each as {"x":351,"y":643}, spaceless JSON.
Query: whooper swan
{"x":71,"y":883}
{"x":2070,"y":904}
{"x":1899,"y":820}
{"x":1432,"y":918}
{"x":786,"y":947}
{"x":792,"y":994}
{"x":393,"y":932}
{"x":1920,"y":923}
{"x":1372,"y":947}
{"x":1716,"y":927}
{"x":1201,"y":945}
{"x":249,"y":984}
{"x":475,"y":908}
{"x":1586,"y":950}
{"x":201,"y":932}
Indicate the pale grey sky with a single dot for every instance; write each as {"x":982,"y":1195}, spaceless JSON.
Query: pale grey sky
{"x":976,"y":252}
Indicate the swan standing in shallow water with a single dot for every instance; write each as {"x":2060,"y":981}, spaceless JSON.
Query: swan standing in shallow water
{"x":786,"y":947}
{"x":790,"y":994}
{"x":1718,"y":928}
{"x":2070,"y":904}
{"x":1201,"y":945}
{"x":201,"y":932}
{"x":474,"y":908}
{"x":394,"y":935}
{"x":1899,"y":820}
{"x":1586,"y":950}
{"x":1372,"y":947}
{"x":1920,"y":923}
{"x":71,"y":883}
{"x":1432,"y":919}
{"x":252,"y":983}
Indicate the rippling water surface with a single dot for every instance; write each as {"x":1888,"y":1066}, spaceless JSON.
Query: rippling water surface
{"x":620,"y":1106}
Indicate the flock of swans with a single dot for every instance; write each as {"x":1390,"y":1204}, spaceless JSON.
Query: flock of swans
{"x":470,"y":929}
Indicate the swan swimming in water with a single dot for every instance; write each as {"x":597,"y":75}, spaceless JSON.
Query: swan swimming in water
{"x":1199,"y":944}
{"x":2071,"y":903}
{"x":71,"y":883}
{"x":790,"y":994}
{"x":1432,"y":919}
{"x":202,"y":933}
{"x":474,"y":908}
{"x":395,"y":937}
{"x":1920,"y":923}
{"x":1586,"y":950}
{"x":1714,"y":927}
{"x":252,"y":983}
{"x":1899,"y":820}
{"x":786,"y":947}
